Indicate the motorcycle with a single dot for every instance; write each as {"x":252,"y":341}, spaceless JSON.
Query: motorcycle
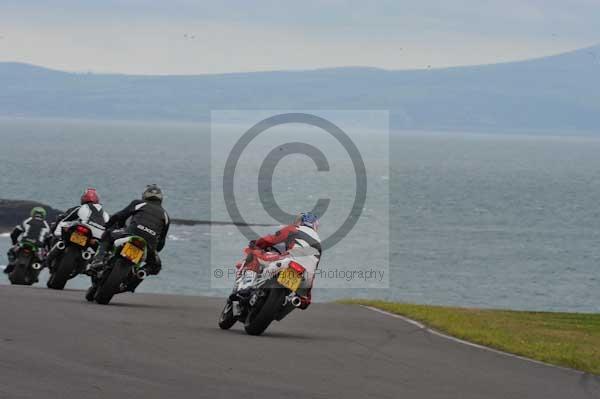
{"x":124,"y":267}
{"x":271,"y":296}
{"x":28,"y":263}
{"x":70,"y":255}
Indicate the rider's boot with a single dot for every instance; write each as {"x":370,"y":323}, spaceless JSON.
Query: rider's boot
{"x":35,"y":277}
{"x":52,"y":254}
{"x":11,"y":260}
{"x":132,"y":285}
{"x":91,"y":292}
{"x":99,"y":260}
{"x":305,"y":301}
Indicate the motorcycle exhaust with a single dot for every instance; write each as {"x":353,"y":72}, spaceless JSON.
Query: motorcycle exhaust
{"x":141,"y":274}
{"x":296,"y":301}
{"x":86,"y":255}
{"x":36,"y":266}
{"x":253,"y":300}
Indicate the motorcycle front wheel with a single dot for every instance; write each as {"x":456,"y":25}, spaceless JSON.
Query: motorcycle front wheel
{"x":227,"y":320}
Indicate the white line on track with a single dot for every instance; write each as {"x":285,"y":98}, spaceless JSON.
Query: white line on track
{"x":461,"y":341}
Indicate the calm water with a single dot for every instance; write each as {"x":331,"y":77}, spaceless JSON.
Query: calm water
{"x":474,"y":220}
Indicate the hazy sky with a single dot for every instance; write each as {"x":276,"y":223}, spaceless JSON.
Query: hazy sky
{"x":190,"y":37}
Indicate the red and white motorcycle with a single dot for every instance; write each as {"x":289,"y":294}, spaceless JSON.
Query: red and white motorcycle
{"x":269,"y":294}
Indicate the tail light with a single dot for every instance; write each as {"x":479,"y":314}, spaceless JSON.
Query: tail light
{"x":138,"y":243}
{"x":83,"y":230}
{"x":297,"y":267}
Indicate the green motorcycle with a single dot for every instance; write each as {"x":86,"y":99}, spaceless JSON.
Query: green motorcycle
{"x":123,"y":269}
{"x":27,"y":264}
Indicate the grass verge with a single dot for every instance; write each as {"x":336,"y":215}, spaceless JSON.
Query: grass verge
{"x":564,"y":339}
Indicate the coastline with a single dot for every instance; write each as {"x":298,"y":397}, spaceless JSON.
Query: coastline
{"x":13,"y":212}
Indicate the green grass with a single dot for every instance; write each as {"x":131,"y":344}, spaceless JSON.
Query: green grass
{"x":564,"y":339}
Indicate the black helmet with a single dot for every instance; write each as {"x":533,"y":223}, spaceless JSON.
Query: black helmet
{"x":152,"y":193}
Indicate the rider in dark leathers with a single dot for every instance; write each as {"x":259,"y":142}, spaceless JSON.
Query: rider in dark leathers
{"x":145,"y":218}
{"x":34,"y":229}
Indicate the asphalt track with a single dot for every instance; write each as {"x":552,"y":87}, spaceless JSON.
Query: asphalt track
{"x":56,"y":345}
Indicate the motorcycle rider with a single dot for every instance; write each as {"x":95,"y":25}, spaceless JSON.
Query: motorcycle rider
{"x":34,"y":229}
{"x":145,"y":218}
{"x":299,"y":241}
{"x":90,"y":212}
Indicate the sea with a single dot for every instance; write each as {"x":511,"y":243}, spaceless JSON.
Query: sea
{"x":461,"y":219}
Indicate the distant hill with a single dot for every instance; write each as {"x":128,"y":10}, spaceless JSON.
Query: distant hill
{"x":560,"y":93}
{"x":13,"y":212}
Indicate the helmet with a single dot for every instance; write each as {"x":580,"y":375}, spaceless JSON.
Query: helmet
{"x":152,"y":193}
{"x":90,"y":196}
{"x":38,"y":211}
{"x":307,"y":219}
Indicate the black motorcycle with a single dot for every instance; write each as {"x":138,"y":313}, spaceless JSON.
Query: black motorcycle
{"x":123,"y":269}
{"x":70,"y":256}
{"x":27,"y":264}
{"x":269,"y":298}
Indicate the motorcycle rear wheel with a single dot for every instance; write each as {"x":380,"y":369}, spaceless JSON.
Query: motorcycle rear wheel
{"x":65,"y":266}
{"x":259,"y":319}
{"x":112,"y":284}
{"x":20,"y":274}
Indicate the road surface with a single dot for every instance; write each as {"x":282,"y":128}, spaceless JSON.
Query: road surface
{"x":55,"y":345}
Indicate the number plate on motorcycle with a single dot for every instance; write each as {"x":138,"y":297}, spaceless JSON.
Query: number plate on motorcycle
{"x":78,"y":239}
{"x":290,"y":279}
{"x":132,"y":253}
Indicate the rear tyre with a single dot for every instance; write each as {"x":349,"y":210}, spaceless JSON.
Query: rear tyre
{"x":112,"y":284}
{"x":64,"y":268}
{"x":227,"y":320}
{"x":258,"y":320}
{"x":19,"y":275}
